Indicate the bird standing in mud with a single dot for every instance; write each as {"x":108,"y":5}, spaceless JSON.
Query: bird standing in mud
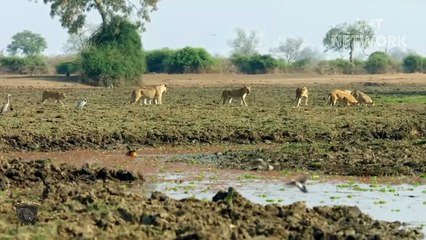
{"x":81,"y":104}
{"x":299,"y":182}
{"x":6,"y":105}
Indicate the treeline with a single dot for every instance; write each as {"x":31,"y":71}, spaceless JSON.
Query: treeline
{"x":198,"y":60}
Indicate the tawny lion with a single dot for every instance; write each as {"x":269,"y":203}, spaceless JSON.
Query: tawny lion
{"x":58,"y":96}
{"x":362,"y":98}
{"x":229,"y":94}
{"x":148,"y":92}
{"x":301,"y":92}
{"x":342,"y":96}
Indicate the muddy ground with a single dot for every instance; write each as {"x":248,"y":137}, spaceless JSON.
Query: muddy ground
{"x":92,"y":202}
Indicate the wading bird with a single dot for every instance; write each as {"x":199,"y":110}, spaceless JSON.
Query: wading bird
{"x":81,"y":104}
{"x":6,"y":105}
{"x":299,"y":182}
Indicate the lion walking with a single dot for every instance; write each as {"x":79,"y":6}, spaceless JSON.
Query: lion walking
{"x":301,"y":92}
{"x":362,"y":98}
{"x":148,"y":93}
{"x":229,"y":94}
{"x":57,"y":96}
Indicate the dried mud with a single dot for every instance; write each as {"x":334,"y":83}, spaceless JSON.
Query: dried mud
{"x":90,"y":202}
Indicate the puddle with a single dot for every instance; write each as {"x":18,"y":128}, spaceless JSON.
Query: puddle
{"x":405,"y":203}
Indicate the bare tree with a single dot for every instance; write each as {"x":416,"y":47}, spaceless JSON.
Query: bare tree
{"x":78,"y":41}
{"x":289,"y":49}
{"x":245,"y":43}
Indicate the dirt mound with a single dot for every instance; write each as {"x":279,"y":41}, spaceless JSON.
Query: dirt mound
{"x":93,"y":202}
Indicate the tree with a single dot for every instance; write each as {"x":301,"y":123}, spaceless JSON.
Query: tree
{"x":348,"y":37}
{"x":114,"y":54}
{"x":378,"y":62}
{"x":76,"y":42}
{"x":413,"y":63}
{"x":72,"y":14}
{"x":28,"y":43}
{"x":289,"y":49}
{"x":245,"y":44}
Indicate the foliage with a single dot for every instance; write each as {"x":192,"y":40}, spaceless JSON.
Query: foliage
{"x":68,"y":67}
{"x":336,"y":66}
{"x":76,"y":42}
{"x":72,"y":14}
{"x":413,"y":63}
{"x":245,"y":44}
{"x":27,"y":43}
{"x":115,"y":54}
{"x":189,"y":60}
{"x":156,"y":60}
{"x":378,"y":62}
{"x":348,"y":37}
{"x":289,"y":49}
{"x":256,"y":64}
{"x":36,"y":65}
{"x":23,"y":65}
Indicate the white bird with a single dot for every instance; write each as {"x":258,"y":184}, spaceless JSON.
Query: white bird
{"x":81,"y":104}
{"x":6,"y":105}
{"x":299,"y":182}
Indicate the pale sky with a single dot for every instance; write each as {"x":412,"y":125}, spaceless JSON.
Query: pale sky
{"x":210,"y":24}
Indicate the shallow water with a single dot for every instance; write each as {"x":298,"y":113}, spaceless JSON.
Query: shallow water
{"x":405,"y":203}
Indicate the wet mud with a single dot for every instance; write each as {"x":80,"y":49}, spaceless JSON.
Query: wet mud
{"x":91,"y":202}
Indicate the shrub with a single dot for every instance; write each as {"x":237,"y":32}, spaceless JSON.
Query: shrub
{"x":156,"y":60}
{"x":336,"y":66}
{"x":413,"y":63}
{"x":378,"y":62}
{"x":255,"y":64}
{"x":24,"y":65}
{"x":189,"y":60}
{"x":36,"y":65}
{"x":114,"y":54}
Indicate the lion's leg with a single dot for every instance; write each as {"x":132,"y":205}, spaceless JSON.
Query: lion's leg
{"x":306,"y":101}
{"x":243,"y":100}
{"x":145,"y":102}
{"x":299,"y":100}
{"x":61,"y":102}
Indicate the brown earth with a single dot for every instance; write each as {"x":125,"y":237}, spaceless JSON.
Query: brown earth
{"x":91,"y":202}
{"x":213,"y":80}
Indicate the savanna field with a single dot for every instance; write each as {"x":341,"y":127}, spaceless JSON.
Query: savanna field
{"x":388,"y":139}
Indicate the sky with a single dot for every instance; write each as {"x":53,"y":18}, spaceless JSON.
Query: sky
{"x":211,"y":24}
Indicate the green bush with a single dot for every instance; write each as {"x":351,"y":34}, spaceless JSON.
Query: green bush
{"x":378,"y":62}
{"x":114,"y":54}
{"x":68,"y":67}
{"x":13,"y":64}
{"x":255,"y":64}
{"x":336,"y":66}
{"x":36,"y":65}
{"x":23,"y":65}
{"x":156,"y":60}
{"x":413,"y":63}
{"x":190,"y":60}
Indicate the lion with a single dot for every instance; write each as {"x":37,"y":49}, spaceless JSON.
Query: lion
{"x":362,"y":98}
{"x":149,"y":92}
{"x":342,"y":96}
{"x":301,"y":92}
{"x":229,"y":94}
{"x":58,"y":96}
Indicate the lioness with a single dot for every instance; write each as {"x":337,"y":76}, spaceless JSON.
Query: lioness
{"x":58,"y":96}
{"x":152,"y":92}
{"x":362,"y":98}
{"x":301,"y":92}
{"x":341,"y":95}
{"x":242,"y":93}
